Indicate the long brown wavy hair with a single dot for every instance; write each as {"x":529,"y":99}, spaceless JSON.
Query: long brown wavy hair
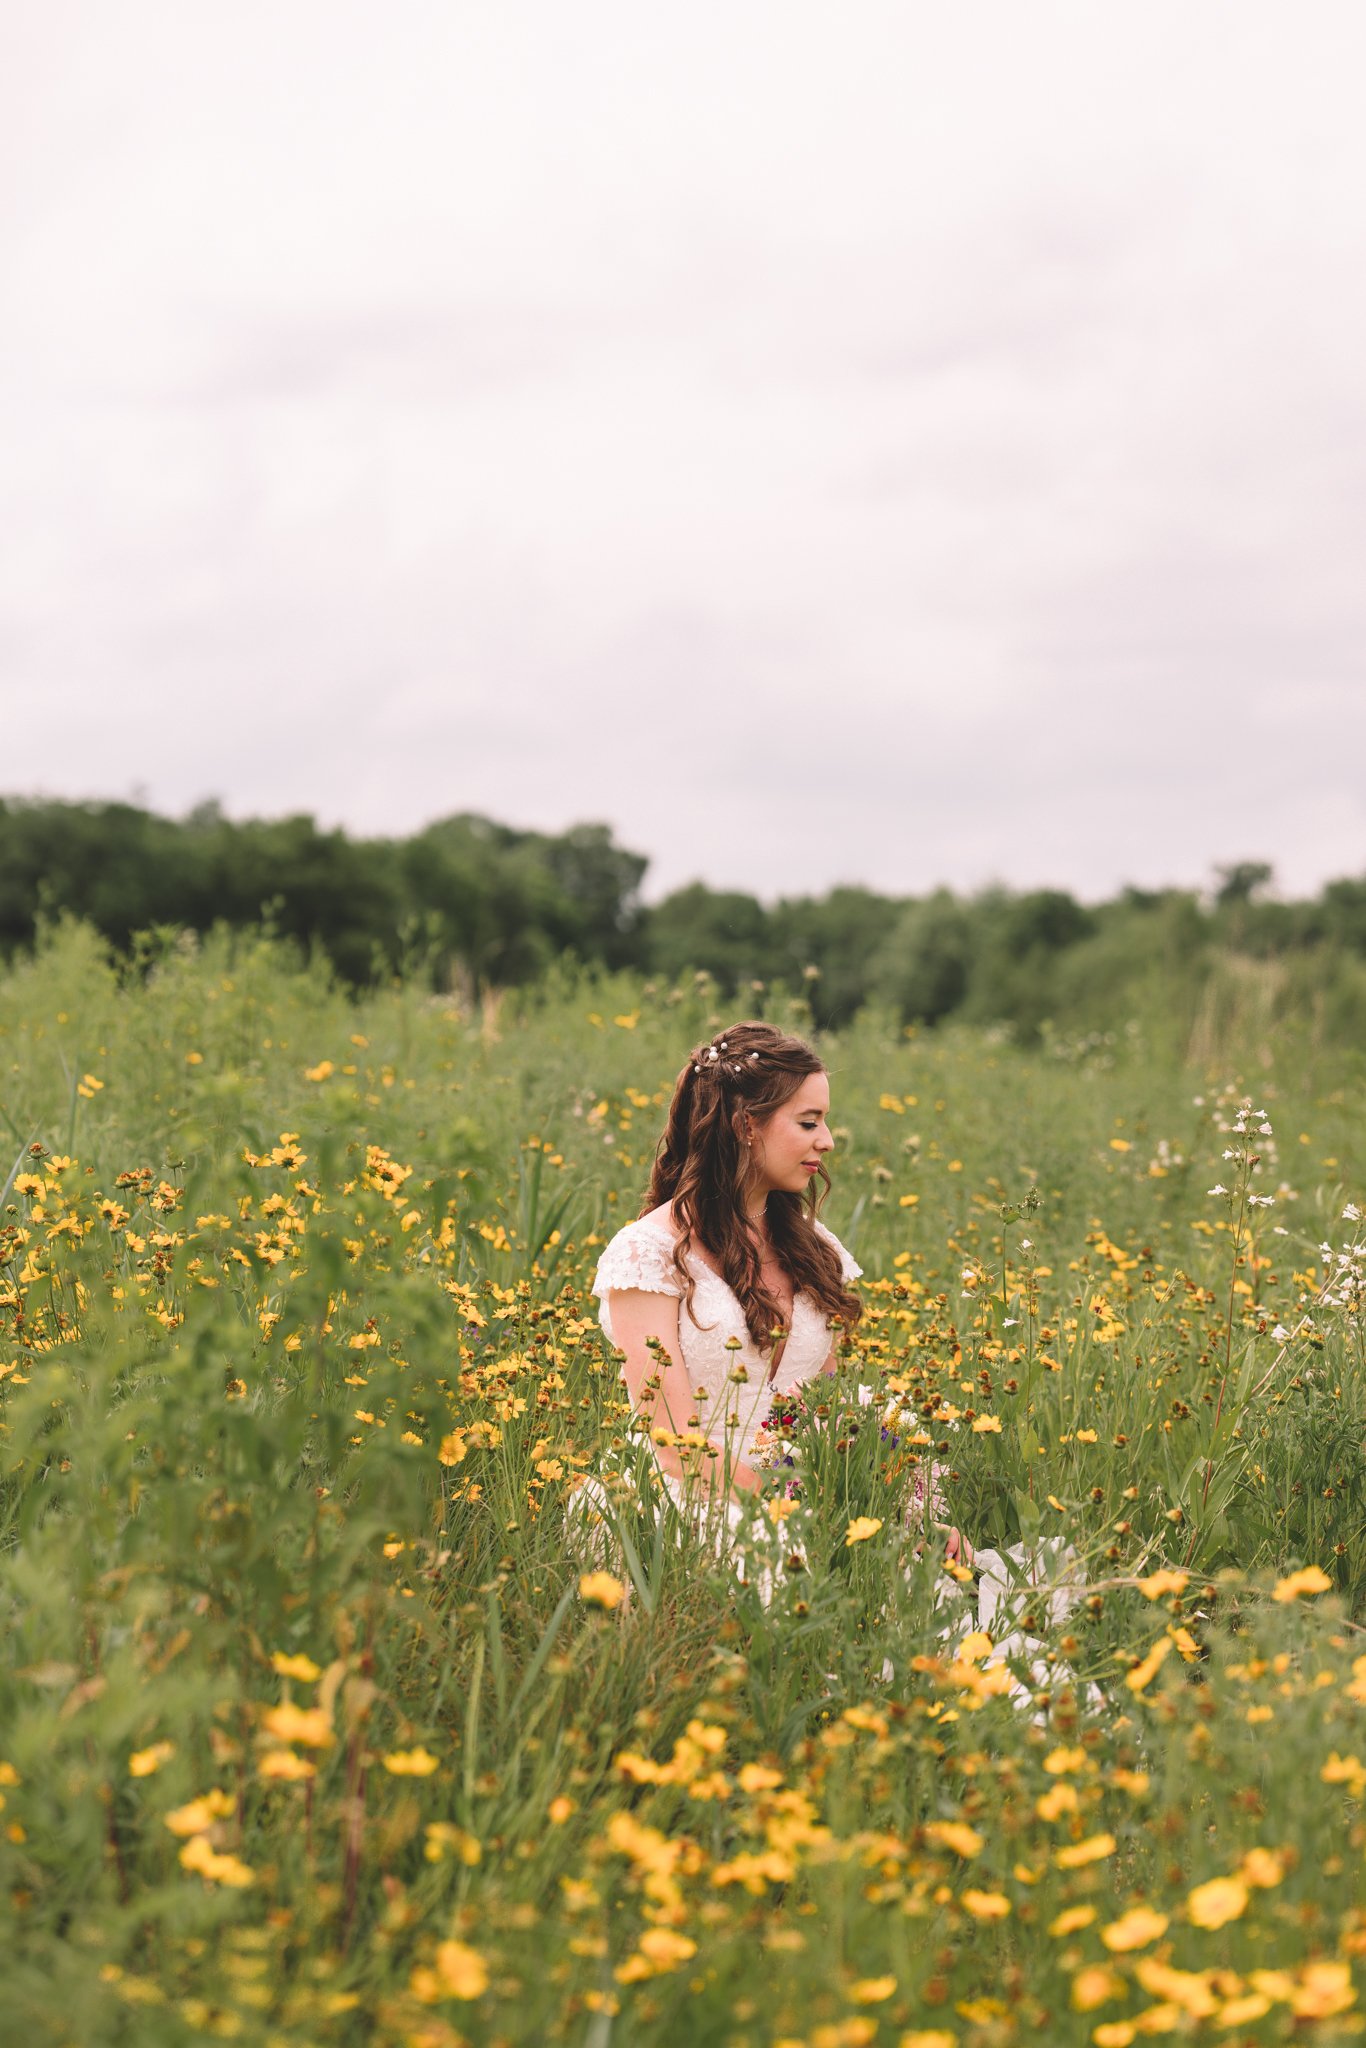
{"x":702,"y":1168}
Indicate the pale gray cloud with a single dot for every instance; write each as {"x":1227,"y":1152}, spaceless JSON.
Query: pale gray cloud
{"x":915,"y":445}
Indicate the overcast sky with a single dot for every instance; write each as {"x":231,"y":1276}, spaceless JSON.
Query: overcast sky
{"x":886,"y":443}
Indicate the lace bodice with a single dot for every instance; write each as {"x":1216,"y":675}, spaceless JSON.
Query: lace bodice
{"x":730,"y":1411}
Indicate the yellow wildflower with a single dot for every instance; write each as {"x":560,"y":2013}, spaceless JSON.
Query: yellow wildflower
{"x":443,"y":1838}
{"x":284,"y":1764}
{"x":872,"y":1990}
{"x":1056,"y":1801}
{"x":1134,"y":1929}
{"x":1093,"y":1986}
{"x":1189,"y":1991}
{"x":1239,"y":2012}
{"x":600,"y":1589}
{"x":665,"y":1949}
{"x":288,"y":1723}
{"x":200,"y":1814}
{"x":1071,"y":1920}
{"x":986,"y":1905}
{"x":1143,"y":1674}
{"x":861,"y":1528}
{"x":143,"y":1762}
{"x":1323,"y":1989}
{"x":197,"y":1855}
{"x":956,"y":1835}
{"x":1262,"y":1867}
{"x":462,"y":1971}
{"x":1310,"y":1580}
{"x":295,"y":1667}
{"x":1163,"y":1581}
{"x":1214,"y":1904}
{"x":1092,"y":1850}
{"x":410,"y":1763}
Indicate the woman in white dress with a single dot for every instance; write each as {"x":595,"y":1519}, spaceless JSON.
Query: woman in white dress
{"x":728,"y":1270}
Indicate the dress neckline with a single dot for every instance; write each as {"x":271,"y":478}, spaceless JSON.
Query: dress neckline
{"x":798,"y":1293}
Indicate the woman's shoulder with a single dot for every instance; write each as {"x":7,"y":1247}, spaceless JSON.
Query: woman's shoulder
{"x":849,"y":1265}
{"x":640,"y":1255}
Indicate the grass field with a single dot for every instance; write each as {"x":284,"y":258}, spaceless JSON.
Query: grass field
{"x":318,"y":1722}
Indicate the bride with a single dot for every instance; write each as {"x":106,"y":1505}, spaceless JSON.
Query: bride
{"x":728,"y":1289}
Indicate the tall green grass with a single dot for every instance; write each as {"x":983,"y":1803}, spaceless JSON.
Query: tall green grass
{"x":309,"y":1731}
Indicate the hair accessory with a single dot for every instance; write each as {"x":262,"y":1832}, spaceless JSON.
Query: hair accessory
{"x":712,"y":1056}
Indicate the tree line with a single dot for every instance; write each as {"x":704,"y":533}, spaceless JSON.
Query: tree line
{"x":472,"y":903}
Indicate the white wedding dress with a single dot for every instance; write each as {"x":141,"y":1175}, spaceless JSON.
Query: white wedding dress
{"x":733,"y":1394}
{"x":732,"y":1389}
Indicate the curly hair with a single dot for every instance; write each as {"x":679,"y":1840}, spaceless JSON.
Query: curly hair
{"x":702,"y":1169}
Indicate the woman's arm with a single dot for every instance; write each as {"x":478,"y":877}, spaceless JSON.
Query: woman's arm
{"x":664,"y":1398}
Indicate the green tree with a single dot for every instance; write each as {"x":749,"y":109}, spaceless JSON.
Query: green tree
{"x":722,"y":931}
{"x":925,"y":961}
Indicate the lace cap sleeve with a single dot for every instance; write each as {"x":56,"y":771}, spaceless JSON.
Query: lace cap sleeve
{"x":849,"y":1265}
{"x":637,"y":1257}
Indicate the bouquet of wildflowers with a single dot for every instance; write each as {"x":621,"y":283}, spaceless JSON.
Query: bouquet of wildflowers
{"x":851,"y":1446}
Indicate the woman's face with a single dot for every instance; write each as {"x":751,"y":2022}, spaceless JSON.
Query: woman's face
{"x":789,"y":1145}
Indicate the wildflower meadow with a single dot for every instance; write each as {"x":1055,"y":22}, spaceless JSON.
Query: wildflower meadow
{"x":333,"y":1712}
